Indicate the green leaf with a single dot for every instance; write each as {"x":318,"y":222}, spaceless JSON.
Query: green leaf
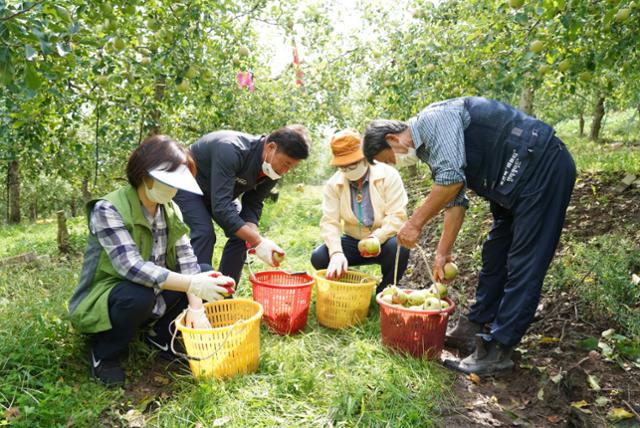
{"x":30,"y":53}
{"x":590,"y":343}
{"x":32,"y":78}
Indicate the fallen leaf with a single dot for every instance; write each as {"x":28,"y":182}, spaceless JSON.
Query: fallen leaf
{"x":601,"y":401}
{"x":554,"y":419}
{"x":618,"y":413}
{"x":221,"y":421}
{"x":579,"y":404}
{"x":547,"y":340}
{"x":541,"y":394}
{"x":474,"y":378}
{"x":635,"y":279}
{"x":556,"y":378}
{"x":12,"y":413}
{"x":593,"y":383}
{"x":608,"y":333}
{"x":135,"y":419}
{"x":161,"y":380}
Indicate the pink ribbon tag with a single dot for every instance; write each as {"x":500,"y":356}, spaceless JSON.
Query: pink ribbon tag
{"x":245,"y":78}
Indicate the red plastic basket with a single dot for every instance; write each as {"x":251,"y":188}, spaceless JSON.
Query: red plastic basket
{"x":285,"y":298}
{"x":417,"y":333}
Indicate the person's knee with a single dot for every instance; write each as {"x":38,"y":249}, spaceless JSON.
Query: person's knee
{"x":320,"y":258}
{"x":132,"y":298}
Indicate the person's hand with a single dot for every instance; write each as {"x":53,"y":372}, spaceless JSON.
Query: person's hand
{"x":438,"y":267}
{"x":337,"y":266}
{"x":265,"y":251}
{"x":196,"y":318}
{"x":408,"y":235}
{"x":369,"y":246}
{"x":210,"y":288}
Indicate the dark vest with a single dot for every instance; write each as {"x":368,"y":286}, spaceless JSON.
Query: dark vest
{"x":503,"y":147}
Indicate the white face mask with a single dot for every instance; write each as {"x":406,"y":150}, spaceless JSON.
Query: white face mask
{"x":160,"y":193}
{"x":406,"y":159}
{"x":357,"y":172}
{"x":268,"y":170}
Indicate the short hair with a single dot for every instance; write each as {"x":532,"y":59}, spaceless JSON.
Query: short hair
{"x":374,"y":140}
{"x":292,"y":140}
{"x":153,"y":152}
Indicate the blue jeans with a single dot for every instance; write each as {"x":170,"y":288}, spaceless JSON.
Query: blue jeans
{"x":386,"y":259}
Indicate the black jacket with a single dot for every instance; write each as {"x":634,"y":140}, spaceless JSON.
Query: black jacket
{"x":228,"y":164}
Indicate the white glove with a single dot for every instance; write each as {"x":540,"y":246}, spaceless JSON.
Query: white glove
{"x":265,"y":250}
{"x":206,"y":287}
{"x":196,"y":318}
{"x":337,"y":266}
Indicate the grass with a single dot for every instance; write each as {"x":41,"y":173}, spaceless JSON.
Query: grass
{"x":318,"y":378}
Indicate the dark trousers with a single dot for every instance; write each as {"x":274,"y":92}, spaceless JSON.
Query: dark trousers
{"x":197,"y":215}
{"x":520,"y":247}
{"x":386,"y":259}
{"x":130,"y":307}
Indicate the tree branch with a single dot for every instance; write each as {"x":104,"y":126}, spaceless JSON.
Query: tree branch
{"x":20,"y":12}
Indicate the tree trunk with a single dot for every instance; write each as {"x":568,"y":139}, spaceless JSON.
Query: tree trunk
{"x":638,"y":115}
{"x":33,"y":210}
{"x":74,"y":207}
{"x":581,"y":123}
{"x":598,"y":114}
{"x":63,"y":233}
{"x":158,"y":96}
{"x":86,"y":194}
{"x":13,"y":191}
{"x":526,"y":100}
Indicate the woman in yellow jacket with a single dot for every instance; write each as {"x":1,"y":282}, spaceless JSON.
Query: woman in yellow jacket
{"x":363,"y":208}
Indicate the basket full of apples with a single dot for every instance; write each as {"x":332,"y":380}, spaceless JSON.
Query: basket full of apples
{"x":415,"y":321}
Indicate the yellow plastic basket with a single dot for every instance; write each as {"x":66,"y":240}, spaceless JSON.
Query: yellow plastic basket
{"x":345,"y":302}
{"x":231,"y":347}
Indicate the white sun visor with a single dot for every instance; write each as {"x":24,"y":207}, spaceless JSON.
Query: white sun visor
{"x":181,"y":178}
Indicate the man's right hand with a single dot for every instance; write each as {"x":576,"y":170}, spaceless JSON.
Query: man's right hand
{"x":338,"y":265}
{"x":265,"y":250}
{"x":209,"y":288}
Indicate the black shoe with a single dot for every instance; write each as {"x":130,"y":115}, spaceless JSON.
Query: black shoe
{"x":463,"y":336}
{"x":163,"y":348}
{"x":106,"y":371}
{"x":489,"y":357}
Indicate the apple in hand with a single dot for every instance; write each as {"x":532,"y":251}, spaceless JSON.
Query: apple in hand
{"x":229,"y":286}
{"x":277,"y":258}
{"x":369,"y":247}
{"x":450,"y":271}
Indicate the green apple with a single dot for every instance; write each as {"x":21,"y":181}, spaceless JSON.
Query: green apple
{"x":102,"y":80}
{"x":277,"y":257}
{"x":432,"y":304}
{"x":118,"y":44}
{"x":191,"y":72}
{"x":544,"y":69}
{"x":564,"y":65}
{"x":536,"y":46}
{"x":623,"y":14}
{"x":415,"y":299}
{"x":439,"y":290}
{"x":415,"y":308}
{"x":388,"y":291}
{"x":183,"y":86}
{"x":399,"y":297}
{"x":516,"y":4}
{"x":444,"y":304}
{"x":450,"y":271}
{"x":429,"y":68}
{"x":243,"y":51}
{"x":387,"y":299}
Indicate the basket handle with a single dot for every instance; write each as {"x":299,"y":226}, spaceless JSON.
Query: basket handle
{"x":192,"y":358}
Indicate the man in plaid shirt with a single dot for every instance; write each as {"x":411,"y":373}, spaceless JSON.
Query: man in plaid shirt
{"x":517,"y":163}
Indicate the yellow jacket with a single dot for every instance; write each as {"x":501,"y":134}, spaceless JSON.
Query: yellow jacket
{"x":388,"y":198}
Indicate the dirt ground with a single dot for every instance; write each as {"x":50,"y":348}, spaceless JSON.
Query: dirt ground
{"x":533,"y":394}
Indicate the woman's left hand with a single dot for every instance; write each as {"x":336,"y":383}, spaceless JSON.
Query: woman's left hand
{"x":196,"y":318}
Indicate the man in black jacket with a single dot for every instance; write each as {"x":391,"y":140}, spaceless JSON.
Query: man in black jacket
{"x":232,"y":165}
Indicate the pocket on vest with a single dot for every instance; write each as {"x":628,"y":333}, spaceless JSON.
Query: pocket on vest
{"x":517,"y":155}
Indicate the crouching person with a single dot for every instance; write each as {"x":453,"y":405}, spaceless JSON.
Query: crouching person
{"x":369,"y":202}
{"x":139,"y":268}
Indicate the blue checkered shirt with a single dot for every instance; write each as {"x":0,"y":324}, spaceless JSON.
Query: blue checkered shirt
{"x":438,"y":136}
{"x":107,"y":225}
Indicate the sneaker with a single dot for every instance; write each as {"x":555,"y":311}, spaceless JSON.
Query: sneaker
{"x":109,"y":372}
{"x":489,"y":357}
{"x":164,"y":348}
{"x":463,"y":336}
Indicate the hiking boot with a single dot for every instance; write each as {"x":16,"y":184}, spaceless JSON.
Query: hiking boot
{"x":163,"y":348}
{"x":109,"y":372}
{"x":463,"y":336}
{"x":489,"y":357}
